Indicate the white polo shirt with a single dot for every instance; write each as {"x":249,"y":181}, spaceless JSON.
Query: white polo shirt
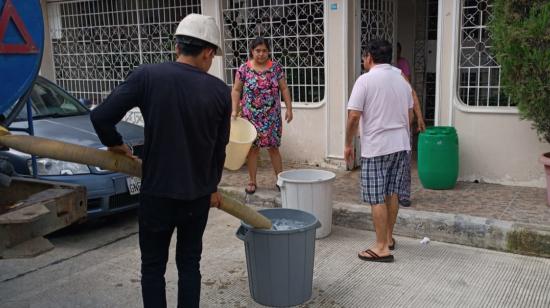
{"x":384,"y":97}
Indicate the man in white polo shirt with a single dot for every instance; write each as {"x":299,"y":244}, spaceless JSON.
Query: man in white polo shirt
{"x":382,"y":101}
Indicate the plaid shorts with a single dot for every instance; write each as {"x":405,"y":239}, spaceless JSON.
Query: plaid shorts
{"x":382,"y":176}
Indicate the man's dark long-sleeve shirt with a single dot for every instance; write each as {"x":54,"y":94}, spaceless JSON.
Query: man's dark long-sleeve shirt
{"x":186,"y":113}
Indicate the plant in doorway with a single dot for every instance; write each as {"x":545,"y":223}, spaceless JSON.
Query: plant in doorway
{"x":521,"y":37}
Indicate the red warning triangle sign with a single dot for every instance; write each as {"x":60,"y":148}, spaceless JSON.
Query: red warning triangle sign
{"x":10,"y":13}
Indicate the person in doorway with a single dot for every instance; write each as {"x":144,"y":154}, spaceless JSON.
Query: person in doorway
{"x":187,"y":115}
{"x":381,"y":99}
{"x":403,"y":65}
{"x":405,"y":197}
{"x":256,"y":89}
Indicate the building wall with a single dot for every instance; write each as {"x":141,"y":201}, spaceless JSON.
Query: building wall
{"x":316,"y":134}
{"x":213,"y":8}
{"x":495,"y":145}
{"x":46,"y":67}
{"x":305,"y":138}
{"x":337,"y":45}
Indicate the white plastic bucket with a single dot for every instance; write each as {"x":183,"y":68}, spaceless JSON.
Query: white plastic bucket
{"x":241,"y":136}
{"x":309,"y":190}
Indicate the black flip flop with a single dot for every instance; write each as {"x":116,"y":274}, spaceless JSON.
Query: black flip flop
{"x":374,"y":257}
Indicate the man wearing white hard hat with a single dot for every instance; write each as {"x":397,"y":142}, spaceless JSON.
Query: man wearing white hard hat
{"x":186,"y":113}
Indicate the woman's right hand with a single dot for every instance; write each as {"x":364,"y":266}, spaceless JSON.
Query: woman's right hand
{"x":234,"y":115}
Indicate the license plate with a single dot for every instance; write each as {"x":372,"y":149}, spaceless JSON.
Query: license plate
{"x":134,"y":184}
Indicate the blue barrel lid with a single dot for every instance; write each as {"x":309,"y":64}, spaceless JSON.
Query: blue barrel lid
{"x":21,"y":47}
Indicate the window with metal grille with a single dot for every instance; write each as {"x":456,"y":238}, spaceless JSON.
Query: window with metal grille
{"x":96,"y":43}
{"x":295,"y":29}
{"x":478,"y":71}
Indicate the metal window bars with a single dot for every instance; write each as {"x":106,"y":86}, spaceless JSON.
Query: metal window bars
{"x":96,"y":43}
{"x":295,"y":29}
{"x":478,"y":70}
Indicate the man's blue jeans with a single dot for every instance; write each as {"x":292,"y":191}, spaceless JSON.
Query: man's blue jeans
{"x":158,"y":217}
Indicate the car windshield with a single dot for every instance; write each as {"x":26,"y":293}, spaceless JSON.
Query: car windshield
{"x":48,"y":101}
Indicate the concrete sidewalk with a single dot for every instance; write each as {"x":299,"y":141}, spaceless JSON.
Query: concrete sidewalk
{"x":98,"y":266}
{"x":506,"y":218}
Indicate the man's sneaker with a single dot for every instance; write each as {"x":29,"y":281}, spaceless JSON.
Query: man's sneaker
{"x":405,"y":203}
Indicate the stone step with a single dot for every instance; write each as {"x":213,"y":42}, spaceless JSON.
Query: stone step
{"x":508,"y":236}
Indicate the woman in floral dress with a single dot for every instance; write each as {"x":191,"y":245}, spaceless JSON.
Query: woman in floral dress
{"x":256,"y":89}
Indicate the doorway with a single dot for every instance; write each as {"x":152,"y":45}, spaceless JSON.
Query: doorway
{"x":414,"y":24}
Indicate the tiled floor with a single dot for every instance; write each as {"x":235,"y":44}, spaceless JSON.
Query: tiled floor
{"x":510,"y":203}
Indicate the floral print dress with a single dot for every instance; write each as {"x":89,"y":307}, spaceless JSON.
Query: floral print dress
{"x":261,"y":103}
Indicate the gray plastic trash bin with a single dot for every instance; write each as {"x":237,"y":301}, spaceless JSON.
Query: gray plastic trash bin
{"x":280,"y":262}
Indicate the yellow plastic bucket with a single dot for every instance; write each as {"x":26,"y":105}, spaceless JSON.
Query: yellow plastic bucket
{"x":241,"y":136}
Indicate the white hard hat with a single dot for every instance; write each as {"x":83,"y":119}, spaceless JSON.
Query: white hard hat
{"x":201,"y":27}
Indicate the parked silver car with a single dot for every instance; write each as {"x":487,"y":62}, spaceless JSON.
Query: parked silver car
{"x":58,"y":115}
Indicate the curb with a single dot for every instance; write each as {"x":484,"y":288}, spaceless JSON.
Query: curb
{"x":480,"y":232}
